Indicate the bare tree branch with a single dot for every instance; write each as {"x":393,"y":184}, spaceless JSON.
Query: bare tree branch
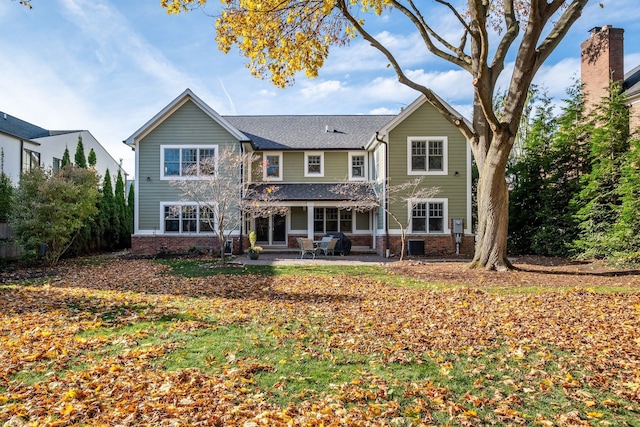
{"x":402,"y":78}
{"x":362,"y":197}
{"x":214,"y":184}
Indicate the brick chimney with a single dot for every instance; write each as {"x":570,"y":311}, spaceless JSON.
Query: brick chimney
{"x":602,"y":60}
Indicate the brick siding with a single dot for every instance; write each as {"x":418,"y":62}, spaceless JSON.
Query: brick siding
{"x":152,"y":245}
{"x":602,"y":60}
{"x":444,"y":245}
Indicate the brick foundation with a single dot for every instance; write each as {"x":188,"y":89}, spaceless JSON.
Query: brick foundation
{"x":152,"y":245}
{"x":433,"y":245}
{"x":444,"y":245}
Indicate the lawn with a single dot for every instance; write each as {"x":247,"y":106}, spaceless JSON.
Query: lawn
{"x":137,"y":342}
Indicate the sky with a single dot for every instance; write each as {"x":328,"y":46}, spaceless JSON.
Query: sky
{"x":108,"y":66}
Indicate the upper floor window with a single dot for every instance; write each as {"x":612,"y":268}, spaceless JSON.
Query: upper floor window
{"x":30,"y":160}
{"x":178,"y":161}
{"x":313,"y":164}
{"x":272,"y":166}
{"x":427,"y":155}
{"x":357,"y":166}
{"x":428,"y":216}
{"x":188,"y":218}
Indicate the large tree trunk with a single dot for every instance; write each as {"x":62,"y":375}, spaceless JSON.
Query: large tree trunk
{"x":493,"y":207}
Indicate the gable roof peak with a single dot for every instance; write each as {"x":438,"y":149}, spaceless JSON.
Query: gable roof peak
{"x":179,"y":101}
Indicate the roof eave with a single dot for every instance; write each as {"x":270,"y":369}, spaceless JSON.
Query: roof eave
{"x":174,"y":105}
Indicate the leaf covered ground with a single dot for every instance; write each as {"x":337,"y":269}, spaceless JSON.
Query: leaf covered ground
{"x":126,"y":342}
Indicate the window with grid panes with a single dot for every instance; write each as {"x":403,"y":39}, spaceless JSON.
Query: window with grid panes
{"x":272,"y":166}
{"x":428,"y":217}
{"x":357,"y":166}
{"x":427,"y":155}
{"x":188,"y":161}
{"x":314,"y":164}
{"x":188,"y":219}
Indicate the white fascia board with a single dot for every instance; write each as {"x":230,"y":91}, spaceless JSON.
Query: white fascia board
{"x":174,"y":105}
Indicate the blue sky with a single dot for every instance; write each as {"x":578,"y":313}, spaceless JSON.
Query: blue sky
{"x":108,"y":66}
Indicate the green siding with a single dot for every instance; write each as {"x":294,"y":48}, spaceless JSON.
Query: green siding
{"x":298,"y":218}
{"x":188,"y":126}
{"x":362,"y":220}
{"x":426,"y":121}
{"x":336,"y":167}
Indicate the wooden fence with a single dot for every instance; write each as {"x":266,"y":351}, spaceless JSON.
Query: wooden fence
{"x":8,"y":247}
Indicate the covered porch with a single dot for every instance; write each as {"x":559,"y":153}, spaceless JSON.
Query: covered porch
{"x":313,"y":211}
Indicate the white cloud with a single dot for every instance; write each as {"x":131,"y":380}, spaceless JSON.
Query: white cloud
{"x":451,"y":84}
{"x":266,"y":93}
{"x":408,"y":49}
{"x":631,"y":61}
{"x":322,"y":89}
{"x":383,"y":111}
{"x":556,"y":78}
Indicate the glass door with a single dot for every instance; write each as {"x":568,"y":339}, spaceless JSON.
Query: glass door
{"x":279,"y":234}
{"x":271,"y":230}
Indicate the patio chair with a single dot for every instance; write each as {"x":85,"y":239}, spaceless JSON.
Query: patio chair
{"x":328,"y":246}
{"x":306,"y":247}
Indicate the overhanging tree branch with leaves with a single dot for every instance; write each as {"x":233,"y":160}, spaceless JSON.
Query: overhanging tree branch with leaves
{"x":280,"y":38}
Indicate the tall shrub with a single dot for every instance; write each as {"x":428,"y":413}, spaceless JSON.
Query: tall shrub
{"x":599,"y":201}
{"x":80,"y":158}
{"x":53,"y":209}
{"x":120,"y":205}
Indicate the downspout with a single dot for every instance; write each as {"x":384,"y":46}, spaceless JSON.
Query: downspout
{"x":386,"y":196}
{"x":240,"y":250}
{"x":21,"y":156}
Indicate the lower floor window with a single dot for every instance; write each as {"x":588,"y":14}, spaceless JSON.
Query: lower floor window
{"x":330,"y":220}
{"x":428,"y":217}
{"x":188,"y":219}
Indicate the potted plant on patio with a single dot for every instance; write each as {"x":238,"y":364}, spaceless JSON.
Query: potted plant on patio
{"x":253,"y":251}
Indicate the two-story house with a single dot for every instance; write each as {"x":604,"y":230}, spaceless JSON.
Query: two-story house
{"x":306,"y":156}
{"x":25,"y":146}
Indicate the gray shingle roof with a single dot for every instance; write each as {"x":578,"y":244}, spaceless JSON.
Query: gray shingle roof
{"x":309,"y":132}
{"x":304,"y":192}
{"x":20,"y":129}
{"x":631,"y":84}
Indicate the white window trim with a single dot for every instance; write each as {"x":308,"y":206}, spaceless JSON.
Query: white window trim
{"x":180,"y":147}
{"x":365,"y":166}
{"x":306,"y":163}
{"x":265,"y":177}
{"x":339,"y":219}
{"x":445,"y":156}
{"x":180,"y":233}
{"x":445,"y":216}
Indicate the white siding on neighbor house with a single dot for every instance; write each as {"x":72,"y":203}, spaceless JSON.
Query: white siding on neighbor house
{"x":187,"y":126}
{"x":11,"y":148}
{"x":51,"y":147}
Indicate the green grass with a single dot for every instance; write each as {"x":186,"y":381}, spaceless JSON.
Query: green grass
{"x":294,"y":370}
{"x":292,"y":360}
{"x":199,"y":268}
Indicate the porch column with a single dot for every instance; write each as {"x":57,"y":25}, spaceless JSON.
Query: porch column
{"x":310,"y":206}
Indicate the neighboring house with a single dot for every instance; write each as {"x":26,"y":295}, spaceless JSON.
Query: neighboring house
{"x":305,"y":157}
{"x":602,"y":61}
{"x":26,"y":146}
